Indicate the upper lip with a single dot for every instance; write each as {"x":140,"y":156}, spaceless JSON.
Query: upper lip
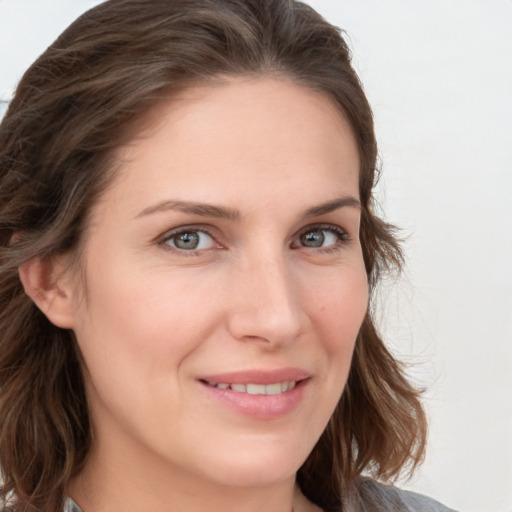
{"x":258,"y":376}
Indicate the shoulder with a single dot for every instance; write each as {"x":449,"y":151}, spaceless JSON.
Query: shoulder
{"x":377,"y":497}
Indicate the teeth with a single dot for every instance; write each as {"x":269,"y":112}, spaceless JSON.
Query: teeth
{"x":257,"y":389}
{"x":273,"y":389}
{"x":254,"y":389}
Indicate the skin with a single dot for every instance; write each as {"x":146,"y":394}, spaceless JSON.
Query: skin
{"x":154,"y":318}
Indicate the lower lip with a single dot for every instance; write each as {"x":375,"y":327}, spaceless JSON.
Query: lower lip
{"x":264,"y":407}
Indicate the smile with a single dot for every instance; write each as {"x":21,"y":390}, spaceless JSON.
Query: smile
{"x":256,"y":389}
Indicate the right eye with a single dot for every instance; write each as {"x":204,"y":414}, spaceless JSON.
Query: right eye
{"x":190,"y":240}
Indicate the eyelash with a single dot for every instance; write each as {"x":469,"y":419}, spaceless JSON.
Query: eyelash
{"x":180,"y":231}
{"x":342,"y":236}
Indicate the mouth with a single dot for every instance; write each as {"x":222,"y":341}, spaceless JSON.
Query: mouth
{"x":256,"y":389}
{"x":260,"y":394}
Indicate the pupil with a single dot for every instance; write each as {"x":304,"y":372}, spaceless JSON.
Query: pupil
{"x":314,"y":238}
{"x":187,"y":241}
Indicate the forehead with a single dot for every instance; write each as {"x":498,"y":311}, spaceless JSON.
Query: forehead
{"x":211,"y":140}
{"x":239,"y":94}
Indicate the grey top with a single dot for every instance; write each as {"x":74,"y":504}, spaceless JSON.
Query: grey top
{"x":372,"y":497}
{"x":377,"y":497}
{"x":71,"y":506}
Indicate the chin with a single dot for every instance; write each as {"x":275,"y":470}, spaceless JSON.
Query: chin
{"x":253,"y":477}
{"x":257,"y":467}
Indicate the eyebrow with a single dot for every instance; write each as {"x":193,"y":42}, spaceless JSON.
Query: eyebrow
{"x":222,"y":212}
{"x":202,"y":209}
{"x":333,"y":205}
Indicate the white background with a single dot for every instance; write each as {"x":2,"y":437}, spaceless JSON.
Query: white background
{"x":439,"y":76}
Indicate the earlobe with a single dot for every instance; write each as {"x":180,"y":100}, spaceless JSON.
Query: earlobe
{"x":44,"y":282}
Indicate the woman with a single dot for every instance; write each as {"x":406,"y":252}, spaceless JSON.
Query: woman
{"x":188,"y":253}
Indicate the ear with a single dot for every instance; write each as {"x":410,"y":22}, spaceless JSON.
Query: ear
{"x":48,"y":284}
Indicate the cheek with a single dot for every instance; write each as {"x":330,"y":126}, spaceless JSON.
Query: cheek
{"x":339,"y":306}
{"x":136,"y":322}
{"x":337,"y":309}
{"x":135,"y":335}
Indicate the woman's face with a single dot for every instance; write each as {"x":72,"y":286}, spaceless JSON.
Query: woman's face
{"x":224,"y":284}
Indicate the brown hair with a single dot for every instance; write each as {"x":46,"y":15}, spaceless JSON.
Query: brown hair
{"x":72,"y":108}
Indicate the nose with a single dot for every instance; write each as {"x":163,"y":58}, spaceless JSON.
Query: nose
{"x":265,"y":302}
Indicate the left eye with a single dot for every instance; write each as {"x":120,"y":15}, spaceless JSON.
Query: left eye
{"x":320,"y":238}
{"x":190,"y":240}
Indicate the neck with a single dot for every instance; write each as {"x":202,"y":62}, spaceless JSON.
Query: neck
{"x":119,"y":485}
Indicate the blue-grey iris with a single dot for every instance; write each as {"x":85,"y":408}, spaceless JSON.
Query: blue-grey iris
{"x":187,"y":240}
{"x":313,"y":238}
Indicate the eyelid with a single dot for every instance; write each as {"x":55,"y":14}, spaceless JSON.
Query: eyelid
{"x":342,"y":234}
{"x":201,"y":228}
